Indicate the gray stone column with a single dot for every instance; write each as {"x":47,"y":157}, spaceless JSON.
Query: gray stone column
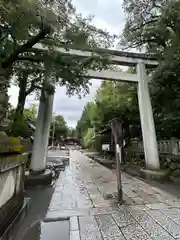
{"x":40,"y":145}
{"x":147,"y":120}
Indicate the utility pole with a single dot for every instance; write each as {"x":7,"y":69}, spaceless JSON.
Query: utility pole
{"x":53,"y":132}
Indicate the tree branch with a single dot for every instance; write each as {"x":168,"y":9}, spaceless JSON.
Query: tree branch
{"x":33,"y":86}
{"x":29,"y":44}
{"x":144,"y":24}
{"x":29,"y":58}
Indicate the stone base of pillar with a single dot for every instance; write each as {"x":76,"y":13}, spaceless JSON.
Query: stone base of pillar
{"x":32,"y":180}
{"x":36,"y":172}
{"x":157,"y":175}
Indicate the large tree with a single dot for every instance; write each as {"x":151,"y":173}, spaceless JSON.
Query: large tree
{"x":59,"y":128}
{"x":143,"y":19}
{"x":112,"y":100}
{"x":53,"y":23}
{"x":155,"y":25}
{"x":117,"y":100}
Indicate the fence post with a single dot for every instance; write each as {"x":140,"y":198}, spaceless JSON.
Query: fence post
{"x":174,"y":146}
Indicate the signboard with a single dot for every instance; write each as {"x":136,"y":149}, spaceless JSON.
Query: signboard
{"x":105,"y":147}
{"x":117,"y":130}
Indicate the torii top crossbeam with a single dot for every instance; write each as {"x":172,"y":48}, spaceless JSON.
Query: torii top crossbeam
{"x":114,"y":56}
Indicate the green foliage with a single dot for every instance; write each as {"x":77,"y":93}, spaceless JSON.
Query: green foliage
{"x":52,"y":23}
{"x":71,"y":132}
{"x":20,"y":126}
{"x":111,"y":100}
{"x":155,"y":26}
{"x":143,"y":25}
{"x":84,"y":123}
{"x":97,"y":143}
{"x":30,"y":113}
{"x":21,"y":20}
{"x":87,"y":140}
{"x":117,"y":100}
{"x":91,"y":142}
{"x":59,"y":127}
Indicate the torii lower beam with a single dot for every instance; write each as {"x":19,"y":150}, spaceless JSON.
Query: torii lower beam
{"x":112,"y":75}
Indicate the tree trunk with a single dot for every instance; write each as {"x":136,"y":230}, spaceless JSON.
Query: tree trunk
{"x":22,"y":96}
{"x":4,"y":82}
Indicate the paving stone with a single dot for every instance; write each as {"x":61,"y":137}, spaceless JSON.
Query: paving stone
{"x":173,"y":203}
{"x":128,"y":201}
{"x":168,"y":224}
{"x":172,"y":213}
{"x":100,"y":202}
{"x":89,"y":229}
{"x":150,"y":226}
{"x":108,"y":226}
{"x":130,"y":193}
{"x":74,"y":235}
{"x":79,"y":194}
{"x":147,"y":198}
{"x":138,"y":207}
{"x":74,"y":224}
{"x":148,"y":189}
{"x":176,"y":220}
{"x":157,"y":206}
{"x":138,"y":200}
{"x":123,"y":218}
{"x":162,"y":194}
{"x":67,"y":213}
{"x":135,"y":232}
{"x":115,"y":238}
{"x":103,"y":210}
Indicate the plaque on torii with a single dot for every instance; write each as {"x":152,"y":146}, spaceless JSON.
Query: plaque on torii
{"x":117,"y":131}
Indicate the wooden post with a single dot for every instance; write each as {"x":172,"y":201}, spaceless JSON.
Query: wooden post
{"x":116,"y":127}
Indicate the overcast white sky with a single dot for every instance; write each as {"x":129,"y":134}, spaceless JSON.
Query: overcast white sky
{"x":108,"y":15}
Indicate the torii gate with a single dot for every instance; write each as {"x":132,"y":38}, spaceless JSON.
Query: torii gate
{"x":140,"y":61}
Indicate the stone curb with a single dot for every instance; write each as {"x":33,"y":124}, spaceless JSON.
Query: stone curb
{"x":74,"y":228}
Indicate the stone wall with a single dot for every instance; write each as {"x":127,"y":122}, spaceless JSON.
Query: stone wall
{"x":12,"y":188}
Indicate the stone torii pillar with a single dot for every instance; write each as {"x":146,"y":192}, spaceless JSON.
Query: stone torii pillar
{"x":40,"y":145}
{"x":147,"y":120}
{"x":38,"y":173}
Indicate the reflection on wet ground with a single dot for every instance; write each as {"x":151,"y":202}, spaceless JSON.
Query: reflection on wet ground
{"x":58,"y":230}
{"x":47,"y":231}
{"x":30,"y":227}
{"x":33,"y":227}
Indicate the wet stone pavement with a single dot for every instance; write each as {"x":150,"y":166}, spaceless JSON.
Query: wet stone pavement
{"x":85,"y":193}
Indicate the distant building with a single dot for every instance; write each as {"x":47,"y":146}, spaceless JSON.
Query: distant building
{"x":71,"y":140}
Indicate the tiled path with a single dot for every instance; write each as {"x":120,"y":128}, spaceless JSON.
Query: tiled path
{"x":84,"y":192}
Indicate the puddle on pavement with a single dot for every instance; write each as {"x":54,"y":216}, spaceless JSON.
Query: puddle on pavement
{"x":58,"y":230}
{"x":55,"y":230}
